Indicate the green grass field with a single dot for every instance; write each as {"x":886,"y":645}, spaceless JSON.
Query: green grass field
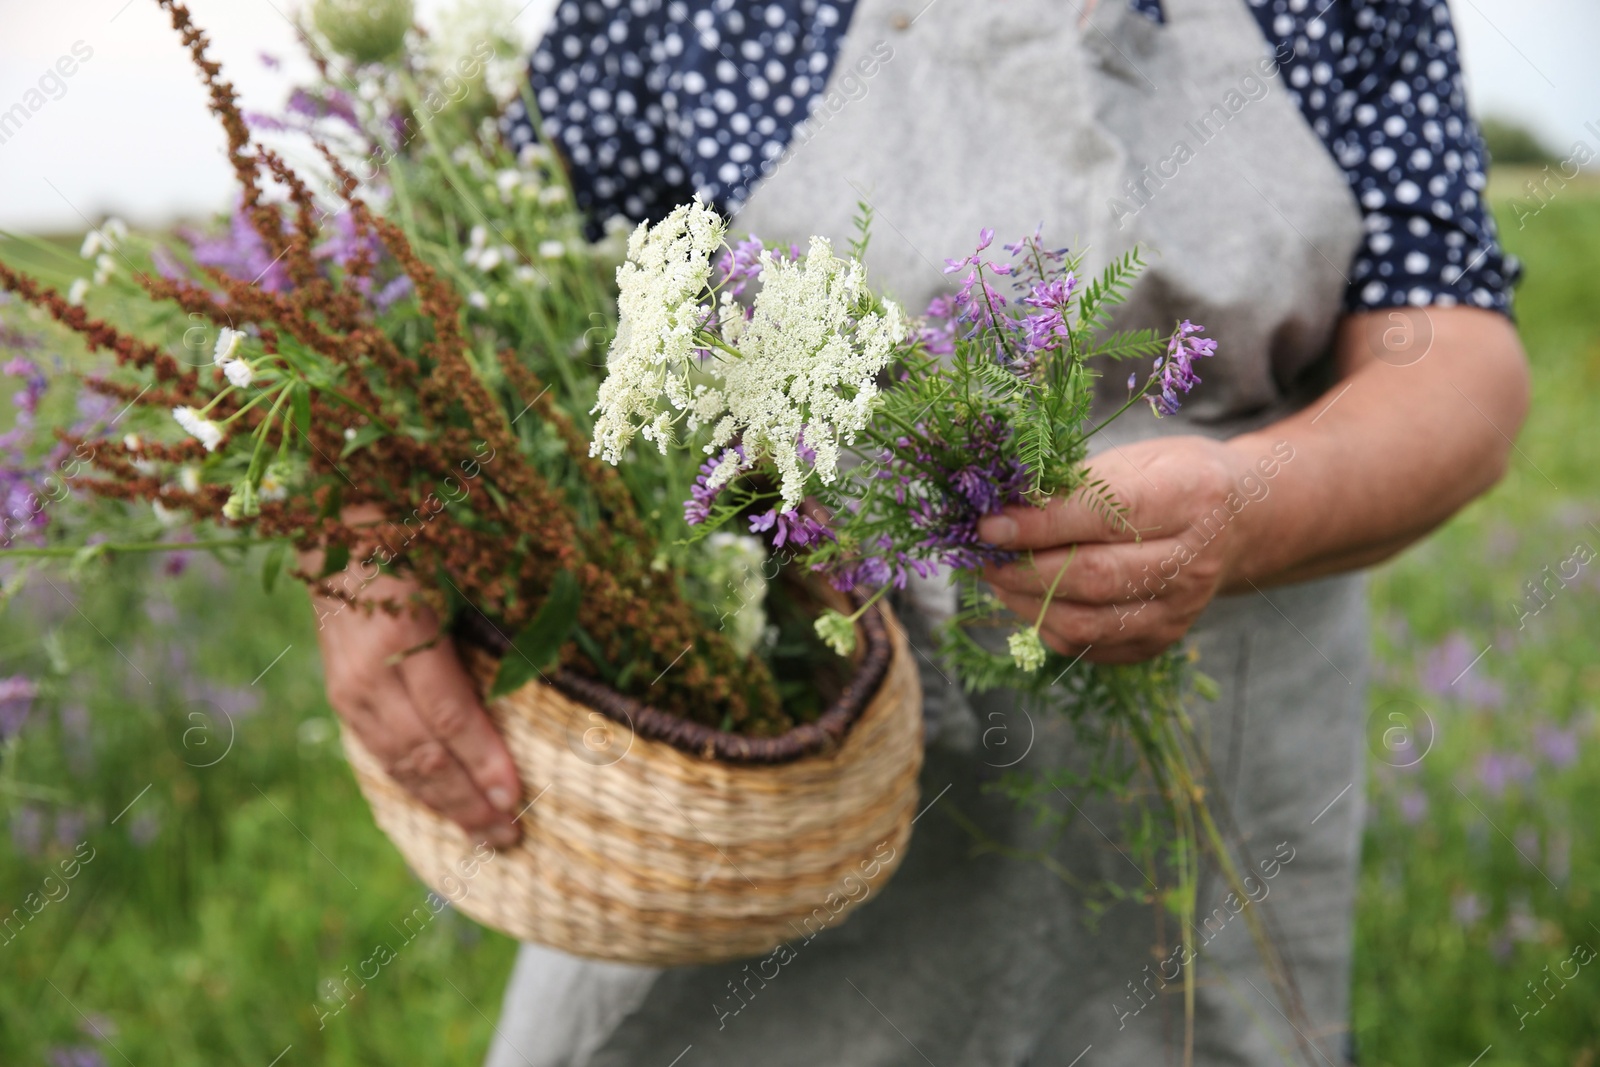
{"x":225,"y":873}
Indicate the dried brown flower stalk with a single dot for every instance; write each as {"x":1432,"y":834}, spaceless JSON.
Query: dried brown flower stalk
{"x":500,"y":554}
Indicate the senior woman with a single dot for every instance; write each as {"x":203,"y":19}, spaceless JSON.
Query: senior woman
{"x":1306,"y":179}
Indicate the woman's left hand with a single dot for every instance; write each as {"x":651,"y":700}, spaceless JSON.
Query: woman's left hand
{"x":1130,"y":589}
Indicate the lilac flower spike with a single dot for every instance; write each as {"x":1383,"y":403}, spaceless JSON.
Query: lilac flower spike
{"x":789,"y":528}
{"x":1176,"y":368}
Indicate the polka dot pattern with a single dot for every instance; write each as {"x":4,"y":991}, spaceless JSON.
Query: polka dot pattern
{"x":1380,"y":83}
{"x":653,"y":101}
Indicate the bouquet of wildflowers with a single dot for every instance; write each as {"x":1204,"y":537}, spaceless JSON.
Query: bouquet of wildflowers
{"x":395,"y":374}
{"x":868,"y":446}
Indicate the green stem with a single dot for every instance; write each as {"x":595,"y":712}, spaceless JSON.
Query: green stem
{"x":1051,"y":592}
{"x":68,"y":551}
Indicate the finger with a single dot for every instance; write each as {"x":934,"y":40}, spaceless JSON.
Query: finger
{"x":394,"y":732}
{"x":1097,"y":572}
{"x":1070,"y":628}
{"x":448,"y":705}
{"x":1082,"y":516}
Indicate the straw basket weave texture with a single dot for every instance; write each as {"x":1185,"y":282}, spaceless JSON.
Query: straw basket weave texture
{"x":668,"y":851}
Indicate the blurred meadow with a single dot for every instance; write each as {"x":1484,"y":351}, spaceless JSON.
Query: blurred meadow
{"x":213,"y":889}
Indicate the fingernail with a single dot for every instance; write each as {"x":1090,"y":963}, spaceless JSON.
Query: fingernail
{"x":501,"y":836}
{"x":501,"y":798}
{"x":998,"y":529}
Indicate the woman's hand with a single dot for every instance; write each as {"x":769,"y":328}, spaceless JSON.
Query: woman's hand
{"x":417,"y":713}
{"x":1420,"y":422}
{"x":1130,"y":589}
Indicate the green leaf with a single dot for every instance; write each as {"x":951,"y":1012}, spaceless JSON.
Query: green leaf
{"x":273,"y":564}
{"x":334,"y":560}
{"x":535,"y":649}
{"x":301,"y":399}
{"x":333,"y":503}
{"x":363,"y":437}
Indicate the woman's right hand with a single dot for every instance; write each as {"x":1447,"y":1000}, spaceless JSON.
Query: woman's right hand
{"x":419,"y":713}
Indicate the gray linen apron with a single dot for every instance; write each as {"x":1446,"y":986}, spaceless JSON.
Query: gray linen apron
{"x":1111,"y":131}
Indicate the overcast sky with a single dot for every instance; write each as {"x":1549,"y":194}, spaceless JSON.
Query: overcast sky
{"x":130,"y":134}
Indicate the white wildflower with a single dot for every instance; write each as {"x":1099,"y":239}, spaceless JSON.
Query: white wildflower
{"x":526,"y":273}
{"x":241,"y":503}
{"x":165,"y":515}
{"x":199,"y":427}
{"x":478,"y":300}
{"x":507,"y":181}
{"x":238,"y":372}
{"x":837,"y":631}
{"x":77,"y":291}
{"x":811,"y":353}
{"x":532,"y":154}
{"x":659,"y":292}
{"x":275,"y":482}
{"x":552,"y":196}
{"x":91,"y":245}
{"x":489,"y":259}
{"x":104,"y":268}
{"x":552,"y":249}
{"x":228,"y":342}
{"x":189,"y":479}
{"x":1027,"y":651}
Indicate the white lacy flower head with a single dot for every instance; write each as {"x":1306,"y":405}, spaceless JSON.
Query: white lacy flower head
{"x":812,"y":350}
{"x":659,"y":310}
{"x":199,"y":427}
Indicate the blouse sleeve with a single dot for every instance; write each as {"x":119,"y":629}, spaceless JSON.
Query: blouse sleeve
{"x":1380,"y":82}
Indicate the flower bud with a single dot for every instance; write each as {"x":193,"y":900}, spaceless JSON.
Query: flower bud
{"x":367,"y":31}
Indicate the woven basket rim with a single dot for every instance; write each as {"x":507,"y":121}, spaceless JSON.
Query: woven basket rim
{"x":807,"y":739}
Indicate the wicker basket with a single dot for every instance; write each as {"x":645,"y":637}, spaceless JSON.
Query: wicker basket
{"x":650,"y":839}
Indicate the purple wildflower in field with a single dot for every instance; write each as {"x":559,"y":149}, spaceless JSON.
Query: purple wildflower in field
{"x":1498,"y":770}
{"x":1176,"y":368}
{"x":17,"y":694}
{"x":1559,"y":747}
{"x":1467,"y":909}
{"x":1448,"y":671}
{"x":1413,"y":806}
{"x":27,"y":829}
{"x":69,"y":828}
{"x":76,"y":1056}
{"x":143,"y":828}
{"x":77,"y":743}
{"x":789,"y":528}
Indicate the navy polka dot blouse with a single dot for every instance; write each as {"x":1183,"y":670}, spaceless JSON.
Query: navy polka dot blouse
{"x":653,"y":101}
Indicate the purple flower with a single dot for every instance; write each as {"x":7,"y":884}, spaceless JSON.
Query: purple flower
{"x":17,"y":693}
{"x":1446,"y":672}
{"x":143,"y":828}
{"x":1497,"y":770}
{"x":1560,"y":747}
{"x":1467,"y":908}
{"x":1176,"y":368}
{"x":1413,"y":806}
{"x":697,"y":509}
{"x":790,"y":528}
{"x":76,"y":1056}
{"x":740,"y":265}
{"x":27,"y":829}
